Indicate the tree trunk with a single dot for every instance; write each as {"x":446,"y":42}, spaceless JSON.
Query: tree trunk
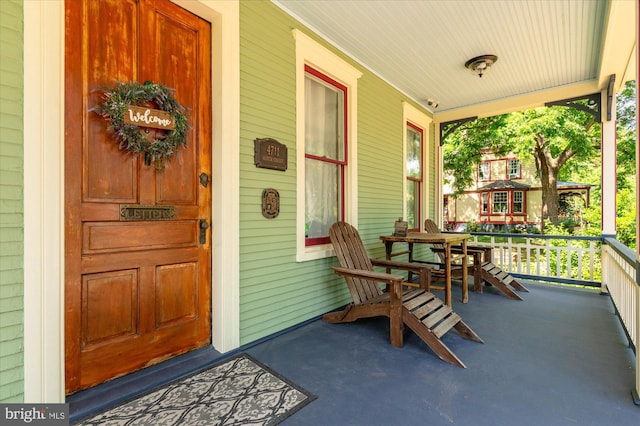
{"x":549,"y":167}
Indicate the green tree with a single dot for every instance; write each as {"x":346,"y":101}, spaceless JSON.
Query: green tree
{"x":551,"y":136}
{"x":626,"y":135}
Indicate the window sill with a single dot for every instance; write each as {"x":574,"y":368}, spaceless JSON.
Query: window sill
{"x":321,"y":251}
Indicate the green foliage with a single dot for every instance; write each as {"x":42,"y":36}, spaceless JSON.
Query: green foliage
{"x":626,"y":134}
{"x":571,"y":261}
{"x":552,"y":136}
{"x":558,"y":130}
{"x":626,"y":217}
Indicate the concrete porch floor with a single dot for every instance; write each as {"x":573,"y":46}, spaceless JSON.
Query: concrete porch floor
{"x":560,"y":357}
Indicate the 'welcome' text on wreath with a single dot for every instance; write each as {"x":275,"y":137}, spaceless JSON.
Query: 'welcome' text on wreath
{"x":125,"y":107}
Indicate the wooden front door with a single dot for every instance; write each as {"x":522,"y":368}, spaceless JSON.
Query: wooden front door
{"x":136,"y":292}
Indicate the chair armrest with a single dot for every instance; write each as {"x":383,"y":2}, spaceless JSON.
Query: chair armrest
{"x":370,"y":275}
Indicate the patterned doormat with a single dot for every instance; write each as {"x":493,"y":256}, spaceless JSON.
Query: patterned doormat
{"x":237,"y":391}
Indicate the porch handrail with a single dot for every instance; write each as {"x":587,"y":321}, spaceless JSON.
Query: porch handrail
{"x":620,"y":278}
{"x":554,"y":258}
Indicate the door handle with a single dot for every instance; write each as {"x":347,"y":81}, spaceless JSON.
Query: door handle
{"x":204,"y":225}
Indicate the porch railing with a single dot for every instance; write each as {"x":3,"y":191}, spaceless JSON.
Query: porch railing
{"x":598,"y":262}
{"x":620,"y":278}
{"x":556,"y":258}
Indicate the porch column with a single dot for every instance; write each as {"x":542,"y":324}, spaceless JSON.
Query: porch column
{"x":439,"y":174}
{"x":608,"y":180}
{"x":636,"y":390}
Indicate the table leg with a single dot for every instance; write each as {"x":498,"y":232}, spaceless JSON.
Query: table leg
{"x":388,"y":246}
{"x":410,"y":274}
{"x":447,"y":274}
{"x":465,"y":273}
{"x":388,"y":249}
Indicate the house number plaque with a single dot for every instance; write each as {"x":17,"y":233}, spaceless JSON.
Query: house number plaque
{"x":270,"y":154}
{"x":130,"y":212}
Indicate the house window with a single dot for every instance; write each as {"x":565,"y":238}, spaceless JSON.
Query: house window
{"x":485,"y":202}
{"x":326,"y":139}
{"x":518,"y":205}
{"x":484,"y":171}
{"x":513,"y":168}
{"x":325,"y":160}
{"x":500,"y":204}
{"x":414,"y":175}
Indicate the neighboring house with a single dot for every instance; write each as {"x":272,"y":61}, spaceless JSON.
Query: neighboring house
{"x":507,"y":193}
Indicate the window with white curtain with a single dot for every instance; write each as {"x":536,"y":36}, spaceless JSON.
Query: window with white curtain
{"x":325,"y":154}
{"x":414,"y":176}
{"x":485,"y":202}
{"x":326,"y":146}
{"x":484,"y":171}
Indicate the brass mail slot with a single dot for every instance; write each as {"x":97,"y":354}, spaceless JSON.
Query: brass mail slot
{"x":138,"y":212}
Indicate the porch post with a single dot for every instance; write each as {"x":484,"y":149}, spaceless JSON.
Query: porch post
{"x":608,"y":178}
{"x":636,"y":390}
{"x":439,"y":181}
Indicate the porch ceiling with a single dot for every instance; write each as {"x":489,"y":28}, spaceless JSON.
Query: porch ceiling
{"x":547,"y":49}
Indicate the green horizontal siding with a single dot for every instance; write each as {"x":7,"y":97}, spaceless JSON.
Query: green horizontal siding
{"x":11,"y":203}
{"x":277,"y":292}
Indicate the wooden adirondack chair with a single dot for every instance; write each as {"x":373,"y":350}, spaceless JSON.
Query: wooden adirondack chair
{"x":417,"y":308}
{"x":483,"y":268}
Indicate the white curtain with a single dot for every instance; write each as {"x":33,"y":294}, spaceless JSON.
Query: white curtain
{"x":323,"y":138}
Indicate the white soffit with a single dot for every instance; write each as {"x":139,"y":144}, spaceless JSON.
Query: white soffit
{"x":544,"y":47}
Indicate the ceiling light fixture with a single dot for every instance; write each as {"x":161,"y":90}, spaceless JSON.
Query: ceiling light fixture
{"x":481,"y":64}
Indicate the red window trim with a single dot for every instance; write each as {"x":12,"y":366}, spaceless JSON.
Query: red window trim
{"x":478,"y":172}
{"x":513,"y":203}
{"x":308,"y":69}
{"x":507,"y":168}
{"x":510,"y":203}
{"x":485,"y":212}
{"x":420,"y":180}
{"x":345,"y":91}
{"x":507,"y":202}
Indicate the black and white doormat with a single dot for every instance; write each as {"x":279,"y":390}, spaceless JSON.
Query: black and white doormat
{"x":237,"y":391}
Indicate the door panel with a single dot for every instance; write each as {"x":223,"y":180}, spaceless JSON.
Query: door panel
{"x":105,"y":237}
{"x":136,"y":291}
{"x":109,"y":304}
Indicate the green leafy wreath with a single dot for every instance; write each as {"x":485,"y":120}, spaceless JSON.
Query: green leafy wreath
{"x":132,"y":138}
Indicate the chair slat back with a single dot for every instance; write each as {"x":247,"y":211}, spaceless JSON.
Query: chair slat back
{"x":431,"y":227}
{"x":352,"y":254}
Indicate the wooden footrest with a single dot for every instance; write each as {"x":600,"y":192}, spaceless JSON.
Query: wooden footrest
{"x":500,"y":280}
{"x":431,"y":312}
{"x":431,"y":319}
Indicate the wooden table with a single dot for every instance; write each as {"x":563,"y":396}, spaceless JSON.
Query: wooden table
{"x":447,"y":240}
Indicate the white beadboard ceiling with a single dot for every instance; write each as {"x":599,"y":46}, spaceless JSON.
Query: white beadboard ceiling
{"x":421,"y":46}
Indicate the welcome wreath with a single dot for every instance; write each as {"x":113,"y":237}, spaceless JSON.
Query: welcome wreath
{"x":135,"y":139}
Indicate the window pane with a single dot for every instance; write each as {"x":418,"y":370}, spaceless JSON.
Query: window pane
{"x":413,"y":215}
{"x":414,"y":153}
{"x":484,"y":171}
{"x":485,"y":202}
{"x":499,"y":202}
{"x":324,"y":119}
{"x":322,"y":197}
{"x":517,"y":202}
{"x":513,"y":167}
